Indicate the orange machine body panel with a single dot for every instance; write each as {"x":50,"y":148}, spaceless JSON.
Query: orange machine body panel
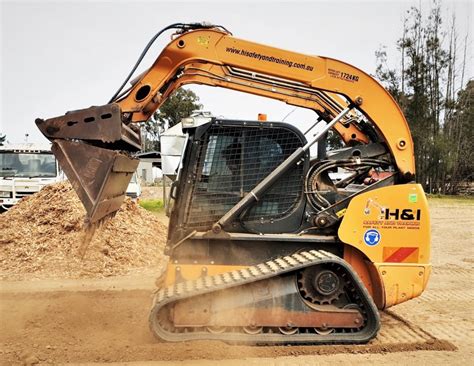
{"x":215,"y":58}
{"x":391,"y":226}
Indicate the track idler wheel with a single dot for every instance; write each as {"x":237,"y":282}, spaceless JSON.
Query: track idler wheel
{"x":288,"y":330}
{"x":216,"y":329}
{"x":253,"y":330}
{"x":322,"y":331}
{"x":320,"y":284}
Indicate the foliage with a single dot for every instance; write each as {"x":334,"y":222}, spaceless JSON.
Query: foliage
{"x":459,"y":129}
{"x":428,"y":86}
{"x":152,"y":205}
{"x":181,"y":103}
{"x":2,"y":139}
{"x":334,"y":141}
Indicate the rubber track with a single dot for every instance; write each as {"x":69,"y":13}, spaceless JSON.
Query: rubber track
{"x":262,"y":271}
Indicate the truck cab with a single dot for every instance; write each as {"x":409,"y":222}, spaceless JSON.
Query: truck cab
{"x":24,"y":170}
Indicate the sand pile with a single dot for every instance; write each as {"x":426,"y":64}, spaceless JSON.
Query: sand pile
{"x":42,"y":234}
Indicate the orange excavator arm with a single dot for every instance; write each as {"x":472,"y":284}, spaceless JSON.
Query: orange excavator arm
{"x":215,"y":58}
{"x":211,"y":56}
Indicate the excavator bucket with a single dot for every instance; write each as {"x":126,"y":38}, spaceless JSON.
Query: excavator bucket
{"x":99,"y":176}
{"x":93,"y":148}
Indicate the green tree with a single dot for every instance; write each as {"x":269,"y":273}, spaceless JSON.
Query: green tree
{"x":180,"y":104}
{"x":459,"y":129}
{"x":425,"y":87}
{"x":2,"y":139}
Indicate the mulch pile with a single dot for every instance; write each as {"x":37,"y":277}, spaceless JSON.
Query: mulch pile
{"x":42,"y":235}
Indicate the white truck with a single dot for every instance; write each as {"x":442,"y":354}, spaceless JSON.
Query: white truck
{"x":24,"y":170}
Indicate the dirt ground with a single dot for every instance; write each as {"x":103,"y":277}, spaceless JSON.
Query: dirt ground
{"x":95,"y":321}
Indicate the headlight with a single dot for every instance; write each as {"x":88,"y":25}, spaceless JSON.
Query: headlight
{"x":187,"y":122}
{"x":195,"y":121}
{"x":5,"y":194}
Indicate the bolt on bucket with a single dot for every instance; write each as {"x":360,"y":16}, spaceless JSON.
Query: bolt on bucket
{"x":93,"y":148}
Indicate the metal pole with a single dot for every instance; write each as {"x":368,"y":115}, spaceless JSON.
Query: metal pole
{"x":327,"y":128}
{"x":165,"y":201}
{"x":313,"y":125}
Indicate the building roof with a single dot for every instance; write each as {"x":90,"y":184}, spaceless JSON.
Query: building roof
{"x":27,"y":147}
{"x":149,"y":155}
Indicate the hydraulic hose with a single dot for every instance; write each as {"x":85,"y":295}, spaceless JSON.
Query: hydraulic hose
{"x":181,"y":26}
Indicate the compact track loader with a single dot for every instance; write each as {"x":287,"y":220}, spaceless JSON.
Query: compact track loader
{"x":265,"y":247}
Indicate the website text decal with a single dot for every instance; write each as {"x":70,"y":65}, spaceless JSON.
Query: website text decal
{"x":267,"y":58}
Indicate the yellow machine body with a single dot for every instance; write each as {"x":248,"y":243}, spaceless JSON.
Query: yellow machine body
{"x":401,"y":253}
{"x":394,"y":268}
{"x":316,"y":257}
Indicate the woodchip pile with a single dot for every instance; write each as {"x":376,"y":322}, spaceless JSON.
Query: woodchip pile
{"x":42,"y":234}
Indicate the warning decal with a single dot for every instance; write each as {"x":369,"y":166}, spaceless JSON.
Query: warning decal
{"x":400,"y":255}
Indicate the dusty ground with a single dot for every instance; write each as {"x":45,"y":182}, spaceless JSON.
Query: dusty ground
{"x":99,"y":321}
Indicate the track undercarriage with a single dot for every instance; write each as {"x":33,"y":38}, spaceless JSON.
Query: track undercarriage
{"x":308,"y":297}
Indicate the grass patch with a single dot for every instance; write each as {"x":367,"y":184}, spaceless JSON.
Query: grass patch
{"x":152,"y":205}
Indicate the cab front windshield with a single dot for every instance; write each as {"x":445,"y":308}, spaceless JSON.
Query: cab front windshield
{"x":27,"y":165}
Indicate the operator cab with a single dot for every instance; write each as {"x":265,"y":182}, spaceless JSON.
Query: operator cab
{"x":225,"y":159}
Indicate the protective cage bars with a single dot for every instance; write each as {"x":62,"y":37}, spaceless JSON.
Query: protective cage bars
{"x":231,"y":161}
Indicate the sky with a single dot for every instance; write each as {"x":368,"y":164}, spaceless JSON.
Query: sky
{"x":67,"y":55}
